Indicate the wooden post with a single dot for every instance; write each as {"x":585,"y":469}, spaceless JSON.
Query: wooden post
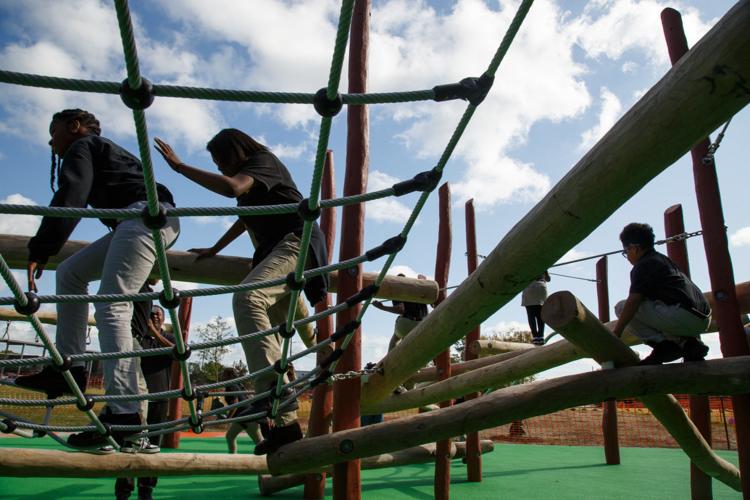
{"x":565,"y":313}
{"x":700,"y":410}
{"x":172,"y":440}
{"x":346,"y":395}
{"x":321,"y":412}
{"x":443,"y":360}
{"x":473,"y":457}
{"x":689,"y":102}
{"x":609,"y":407}
{"x":483,"y":347}
{"x":726,"y":310}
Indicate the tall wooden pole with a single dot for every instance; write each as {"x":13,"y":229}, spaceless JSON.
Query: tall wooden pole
{"x":172,"y":440}
{"x":726,"y":309}
{"x":473,"y":455}
{"x":346,"y":395}
{"x":321,"y":411}
{"x":443,"y":360}
{"x":609,"y":406}
{"x":700,"y":411}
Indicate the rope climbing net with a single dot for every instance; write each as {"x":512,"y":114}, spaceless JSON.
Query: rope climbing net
{"x":138,"y":93}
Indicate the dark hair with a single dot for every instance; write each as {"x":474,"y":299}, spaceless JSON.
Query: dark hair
{"x":636,"y":233}
{"x":85,"y":118}
{"x":232,"y":146}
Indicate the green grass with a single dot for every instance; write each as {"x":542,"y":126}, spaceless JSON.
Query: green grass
{"x":512,"y":471}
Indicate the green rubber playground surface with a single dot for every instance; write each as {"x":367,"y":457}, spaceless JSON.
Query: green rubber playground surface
{"x":511,"y":471}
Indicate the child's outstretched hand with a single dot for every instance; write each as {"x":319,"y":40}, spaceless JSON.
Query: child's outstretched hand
{"x":168,"y":154}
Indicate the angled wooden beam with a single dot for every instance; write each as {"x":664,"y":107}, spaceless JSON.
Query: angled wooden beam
{"x":566,"y":314}
{"x":721,"y":376}
{"x":696,"y":96}
{"x":268,"y":485}
{"x":49,"y":318}
{"x":223,"y":270}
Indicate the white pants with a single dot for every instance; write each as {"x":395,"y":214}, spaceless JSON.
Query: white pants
{"x":122,"y":260}
{"x":656,"y":321}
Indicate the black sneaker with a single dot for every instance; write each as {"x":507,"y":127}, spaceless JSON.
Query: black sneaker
{"x":663,"y":352}
{"x":279,"y":436}
{"x":90,"y":439}
{"x":538,"y":341}
{"x":52,"y":382}
{"x":693,"y":349}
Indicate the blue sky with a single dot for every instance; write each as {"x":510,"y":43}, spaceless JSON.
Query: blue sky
{"x":574,"y":69}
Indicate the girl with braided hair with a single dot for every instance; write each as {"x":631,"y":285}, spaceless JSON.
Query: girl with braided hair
{"x":94,"y":171}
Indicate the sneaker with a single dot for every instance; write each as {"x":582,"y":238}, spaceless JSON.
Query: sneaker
{"x":145,"y":494}
{"x":279,"y":436}
{"x":538,"y":341}
{"x":52,"y":382}
{"x":693,"y":349}
{"x":90,"y":439}
{"x":663,"y":352}
{"x":140,"y":444}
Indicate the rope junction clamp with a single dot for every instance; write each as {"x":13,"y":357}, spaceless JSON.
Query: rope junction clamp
{"x":140,"y":98}
{"x":470,"y":89}
{"x":32,"y":304}
{"x":327,"y":107}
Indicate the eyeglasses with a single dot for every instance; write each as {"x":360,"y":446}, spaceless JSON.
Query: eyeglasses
{"x":624,"y":252}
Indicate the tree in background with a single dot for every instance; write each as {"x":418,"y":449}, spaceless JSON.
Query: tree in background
{"x":211,"y":359}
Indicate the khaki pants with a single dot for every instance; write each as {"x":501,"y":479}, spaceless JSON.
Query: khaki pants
{"x":257,"y":310}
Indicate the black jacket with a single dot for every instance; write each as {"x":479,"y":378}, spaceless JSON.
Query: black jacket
{"x":95,"y":172}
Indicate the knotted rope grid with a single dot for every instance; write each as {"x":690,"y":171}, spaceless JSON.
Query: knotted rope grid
{"x":138,"y":93}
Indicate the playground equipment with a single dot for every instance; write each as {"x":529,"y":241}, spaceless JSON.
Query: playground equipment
{"x":702,"y":91}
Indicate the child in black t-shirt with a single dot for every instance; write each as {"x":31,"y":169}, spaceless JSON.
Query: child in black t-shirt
{"x":254,"y":176}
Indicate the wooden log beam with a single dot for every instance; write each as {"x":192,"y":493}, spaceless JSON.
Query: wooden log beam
{"x":22,"y":462}
{"x":268,"y":484}
{"x":565,"y":313}
{"x":49,"y":318}
{"x":702,"y":91}
{"x":483,"y":347}
{"x":223,"y":270}
{"x":498,"y":370}
{"x":720,"y":376}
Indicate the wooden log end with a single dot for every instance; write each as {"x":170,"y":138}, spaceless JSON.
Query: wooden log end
{"x":561,"y":308}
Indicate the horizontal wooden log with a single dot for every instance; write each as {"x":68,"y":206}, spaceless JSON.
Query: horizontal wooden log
{"x":22,"y":462}
{"x":224,"y":270}
{"x":566,"y":314}
{"x":702,"y":91}
{"x":501,"y":369}
{"x":719,"y":376}
{"x":268,"y":484}
{"x":50,"y":318}
{"x":488,"y":347}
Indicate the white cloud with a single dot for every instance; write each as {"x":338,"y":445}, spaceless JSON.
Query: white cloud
{"x":505,"y":327}
{"x":629,"y":67}
{"x":741,"y":237}
{"x":385,"y":209}
{"x":572,"y":254}
{"x":207,"y":220}
{"x":611,"y":28}
{"x":610,"y":111}
{"x":19,"y":224}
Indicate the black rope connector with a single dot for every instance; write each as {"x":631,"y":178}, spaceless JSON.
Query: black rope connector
{"x":277,"y":367}
{"x":364,"y":294}
{"x":85,"y":407}
{"x":307,"y":213}
{"x":423,"y":181}
{"x":347,"y":329}
{"x":389,"y":246}
{"x":66,"y":364}
{"x":157,"y":221}
{"x":181,"y":356}
{"x":292,"y":282}
{"x":287,"y":334}
{"x":139,"y":98}
{"x":197,"y":426}
{"x":346,"y":446}
{"x":32,"y":304}
{"x":470,"y":89}
{"x":327,"y":107}
{"x":335,"y":355}
{"x":10,"y":426}
{"x":170,"y":303}
{"x":320,"y":379}
{"x":186,"y":396}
